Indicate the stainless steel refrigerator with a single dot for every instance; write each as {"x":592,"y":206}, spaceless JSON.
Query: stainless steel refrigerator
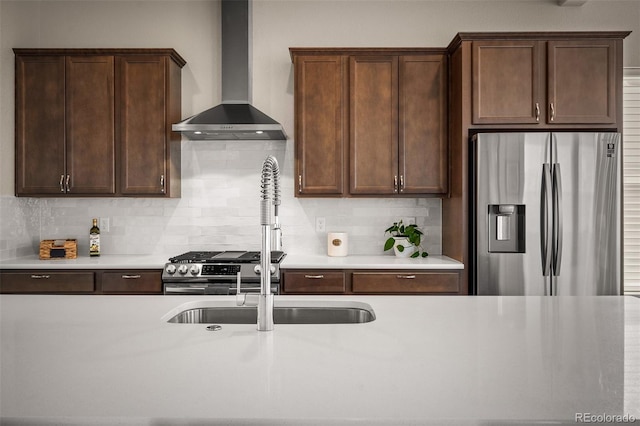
{"x":547,"y":213}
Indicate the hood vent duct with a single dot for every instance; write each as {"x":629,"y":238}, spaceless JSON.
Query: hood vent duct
{"x":235,"y":118}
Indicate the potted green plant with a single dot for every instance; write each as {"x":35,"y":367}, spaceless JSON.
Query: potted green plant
{"x":405,"y":240}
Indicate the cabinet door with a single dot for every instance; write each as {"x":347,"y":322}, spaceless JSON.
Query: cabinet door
{"x":581,"y":81}
{"x":320,"y":124}
{"x":142,"y":123}
{"x":132,"y":282}
{"x":42,"y":281}
{"x":40,"y":125}
{"x":402,"y":282}
{"x":90,"y":143}
{"x":373,"y":101}
{"x":314,"y":282}
{"x":506,"y":82}
{"x":423,"y":124}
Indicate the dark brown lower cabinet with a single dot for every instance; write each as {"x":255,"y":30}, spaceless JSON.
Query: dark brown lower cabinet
{"x":371,"y":282}
{"x":43,"y":281}
{"x":81,"y":281}
{"x":131,"y":282}
{"x":325,"y":282}
{"x":406,"y":282}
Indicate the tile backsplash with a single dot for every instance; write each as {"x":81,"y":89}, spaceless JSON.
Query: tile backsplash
{"x":218,"y":210}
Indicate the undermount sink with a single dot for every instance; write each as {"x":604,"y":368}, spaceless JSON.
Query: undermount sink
{"x":283,"y":313}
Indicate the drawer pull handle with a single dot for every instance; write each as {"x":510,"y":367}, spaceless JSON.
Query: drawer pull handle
{"x":406,"y":277}
{"x":131,"y":277}
{"x":314,"y":277}
{"x":40,"y":277}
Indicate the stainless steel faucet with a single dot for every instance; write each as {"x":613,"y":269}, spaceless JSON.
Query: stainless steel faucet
{"x":270,"y":189}
{"x":270,"y":181}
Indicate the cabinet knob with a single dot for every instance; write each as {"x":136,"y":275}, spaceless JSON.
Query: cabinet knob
{"x":406,"y":277}
{"x":401,"y":183}
{"x":537,"y":112}
{"x":314,"y":277}
{"x":553,"y":111}
{"x":40,"y":277}
{"x":66,"y":183}
{"x":395,"y":183}
{"x":299,"y":183}
{"x":61,"y":183}
{"x":162,"y":183}
{"x":130,"y":277}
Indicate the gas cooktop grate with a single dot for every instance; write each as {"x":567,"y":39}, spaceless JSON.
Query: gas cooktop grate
{"x":224,"y":257}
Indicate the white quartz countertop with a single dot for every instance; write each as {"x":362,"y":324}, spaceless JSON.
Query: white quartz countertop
{"x":105,"y":261}
{"x":446,"y":360}
{"x":291,"y":261}
{"x":301,"y":261}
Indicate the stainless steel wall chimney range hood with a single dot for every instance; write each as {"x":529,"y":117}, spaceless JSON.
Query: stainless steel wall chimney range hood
{"x":235,"y":118}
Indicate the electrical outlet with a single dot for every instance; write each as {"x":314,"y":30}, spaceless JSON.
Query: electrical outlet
{"x":320,"y":224}
{"x":104,"y":224}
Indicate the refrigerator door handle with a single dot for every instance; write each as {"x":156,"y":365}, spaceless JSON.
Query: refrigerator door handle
{"x":545,"y":249}
{"x":557,"y":219}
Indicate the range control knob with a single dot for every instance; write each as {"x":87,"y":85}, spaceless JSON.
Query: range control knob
{"x":183,"y":269}
{"x":194,"y":270}
{"x":171,"y":269}
{"x":257,"y":269}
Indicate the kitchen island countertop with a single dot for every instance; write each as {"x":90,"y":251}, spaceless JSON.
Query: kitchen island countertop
{"x":454,"y":360}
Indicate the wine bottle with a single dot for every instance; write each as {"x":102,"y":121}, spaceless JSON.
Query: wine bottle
{"x":94,"y":239}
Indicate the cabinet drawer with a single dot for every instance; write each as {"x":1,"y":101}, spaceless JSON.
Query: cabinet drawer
{"x":314,"y":282}
{"x":406,"y":282}
{"x":132,"y":282}
{"x":47,"y":282}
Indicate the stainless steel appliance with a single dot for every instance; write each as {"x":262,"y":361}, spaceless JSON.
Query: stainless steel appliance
{"x":546,"y":212}
{"x":235,"y":118}
{"x":218,"y":272}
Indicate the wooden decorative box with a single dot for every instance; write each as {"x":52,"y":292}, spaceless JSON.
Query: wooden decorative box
{"x":58,"y":249}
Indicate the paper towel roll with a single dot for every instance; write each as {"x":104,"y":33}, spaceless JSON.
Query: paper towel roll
{"x":337,"y":243}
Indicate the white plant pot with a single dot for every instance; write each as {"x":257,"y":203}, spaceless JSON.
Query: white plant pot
{"x":409,"y":248}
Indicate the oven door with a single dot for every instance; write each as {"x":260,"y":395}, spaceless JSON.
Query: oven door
{"x":198,"y":288}
{"x":213,"y":288}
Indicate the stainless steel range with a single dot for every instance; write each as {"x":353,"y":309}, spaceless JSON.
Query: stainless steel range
{"x":218,"y":272}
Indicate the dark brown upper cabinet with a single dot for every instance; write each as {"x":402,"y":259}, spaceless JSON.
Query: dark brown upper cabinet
{"x":373,"y":137}
{"x":545,"y":82}
{"x":370,"y":121}
{"x":422,"y":124}
{"x":506,"y":82}
{"x":320,"y":124}
{"x":97,"y":122}
{"x":581,"y":81}
{"x":64,"y":125}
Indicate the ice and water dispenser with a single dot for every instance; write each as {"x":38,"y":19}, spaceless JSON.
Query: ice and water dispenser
{"x":506,"y":228}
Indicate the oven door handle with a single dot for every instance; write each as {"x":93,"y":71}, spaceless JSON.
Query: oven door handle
{"x":183,"y":290}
